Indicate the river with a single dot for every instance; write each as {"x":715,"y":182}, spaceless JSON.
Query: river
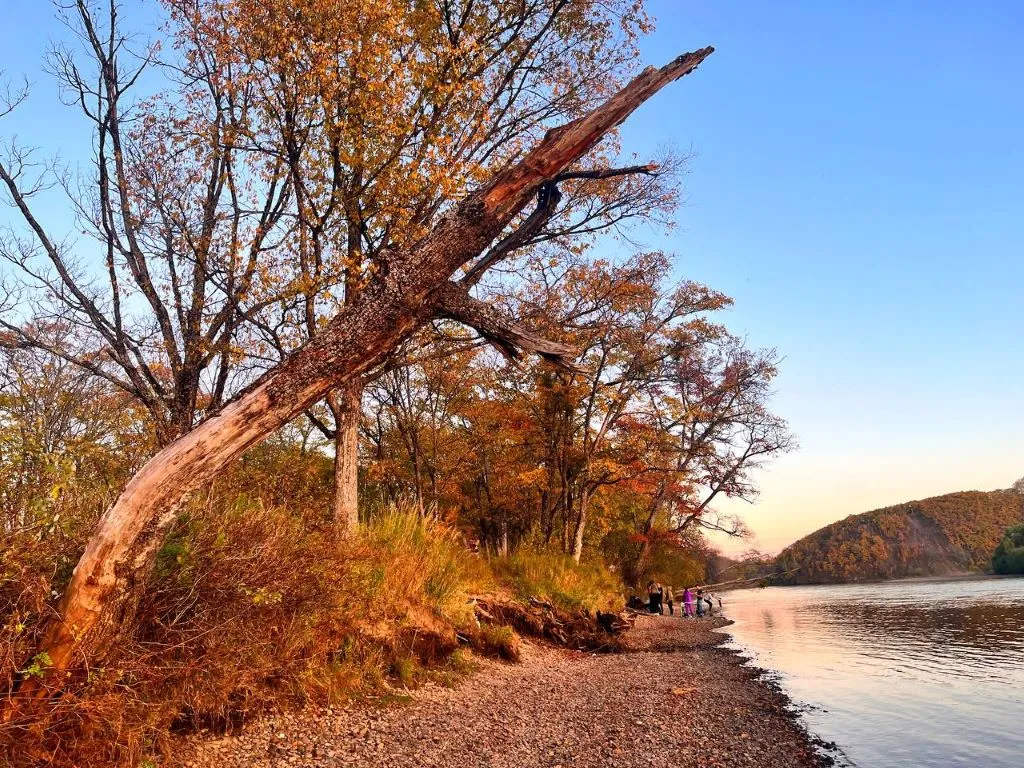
{"x":900,"y":674}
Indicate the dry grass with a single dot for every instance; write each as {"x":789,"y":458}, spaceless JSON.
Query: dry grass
{"x":555,"y":578}
{"x":249,"y":608}
{"x":252,"y":607}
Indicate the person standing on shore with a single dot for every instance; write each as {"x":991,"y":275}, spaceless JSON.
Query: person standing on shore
{"x":700,"y":604}
{"x":687,"y":603}
{"x":652,"y":598}
{"x":670,"y":601}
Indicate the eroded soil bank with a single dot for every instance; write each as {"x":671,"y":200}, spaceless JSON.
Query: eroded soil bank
{"x":674,"y":699}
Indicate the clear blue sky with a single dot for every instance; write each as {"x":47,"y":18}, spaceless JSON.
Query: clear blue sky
{"x":857,"y":186}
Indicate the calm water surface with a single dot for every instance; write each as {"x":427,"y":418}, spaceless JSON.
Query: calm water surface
{"x":928,"y":674}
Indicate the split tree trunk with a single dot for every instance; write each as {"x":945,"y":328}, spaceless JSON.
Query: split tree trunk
{"x":357,"y":338}
{"x":346,"y":405}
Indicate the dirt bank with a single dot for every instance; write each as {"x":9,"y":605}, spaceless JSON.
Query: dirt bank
{"x":673,"y":700}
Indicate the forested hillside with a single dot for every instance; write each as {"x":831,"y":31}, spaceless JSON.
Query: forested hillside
{"x":941,"y":535}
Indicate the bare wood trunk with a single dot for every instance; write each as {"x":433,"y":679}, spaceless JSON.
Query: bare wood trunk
{"x":357,"y":338}
{"x":346,"y":405}
{"x":503,"y":543}
{"x":581,"y":525}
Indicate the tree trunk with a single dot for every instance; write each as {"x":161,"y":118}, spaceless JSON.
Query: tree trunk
{"x":401,"y":297}
{"x":503,"y":541}
{"x":581,"y":525}
{"x":346,"y":405}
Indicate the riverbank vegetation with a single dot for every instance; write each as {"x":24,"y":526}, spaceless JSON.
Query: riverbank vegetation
{"x":1008,"y":557}
{"x":321,"y":347}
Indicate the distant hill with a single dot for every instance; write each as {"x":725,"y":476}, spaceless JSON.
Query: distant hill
{"x":932,"y":537}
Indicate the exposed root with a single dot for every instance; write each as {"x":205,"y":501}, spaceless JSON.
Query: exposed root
{"x":579,"y":630}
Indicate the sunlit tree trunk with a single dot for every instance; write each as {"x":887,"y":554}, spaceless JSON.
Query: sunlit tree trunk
{"x":581,"y":526}
{"x":346,"y":406}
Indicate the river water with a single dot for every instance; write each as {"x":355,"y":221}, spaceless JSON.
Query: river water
{"x":907,"y":674}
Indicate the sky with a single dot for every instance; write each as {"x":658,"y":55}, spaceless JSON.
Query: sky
{"x":856,"y":186}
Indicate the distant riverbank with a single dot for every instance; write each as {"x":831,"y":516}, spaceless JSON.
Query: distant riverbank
{"x":674,"y":698}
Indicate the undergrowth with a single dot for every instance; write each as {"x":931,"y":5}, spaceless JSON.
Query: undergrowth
{"x":248,"y":608}
{"x":252,"y":607}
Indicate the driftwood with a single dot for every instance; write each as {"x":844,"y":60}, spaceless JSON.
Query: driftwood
{"x":738,"y":582}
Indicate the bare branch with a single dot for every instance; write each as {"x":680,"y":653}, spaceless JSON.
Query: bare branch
{"x":650,"y":169}
{"x":454,"y":303}
{"x":548,"y":197}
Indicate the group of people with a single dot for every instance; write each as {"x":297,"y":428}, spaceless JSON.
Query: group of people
{"x":695,"y":603}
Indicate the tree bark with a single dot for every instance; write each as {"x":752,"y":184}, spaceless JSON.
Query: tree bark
{"x":400,"y":298}
{"x":347,"y":407}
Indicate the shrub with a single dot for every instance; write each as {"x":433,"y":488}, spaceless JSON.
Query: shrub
{"x":1008,"y":557}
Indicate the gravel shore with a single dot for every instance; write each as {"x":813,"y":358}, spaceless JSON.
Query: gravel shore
{"x":673,"y":699}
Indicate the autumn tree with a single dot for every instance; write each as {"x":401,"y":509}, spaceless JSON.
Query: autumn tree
{"x":414,"y":424}
{"x":624,"y":322}
{"x":410,"y":284}
{"x":384,"y":114}
{"x":173,"y":217}
{"x":714,"y":426}
{"x":67,"y":440}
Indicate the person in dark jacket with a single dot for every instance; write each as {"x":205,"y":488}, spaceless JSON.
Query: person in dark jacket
{"x":654,"y":598}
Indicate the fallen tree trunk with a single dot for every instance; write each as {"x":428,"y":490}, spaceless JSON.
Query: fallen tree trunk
{"x":735,"y":582}
{"x":411,"y":287}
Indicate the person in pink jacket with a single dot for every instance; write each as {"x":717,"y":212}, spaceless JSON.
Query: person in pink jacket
{"x":687,"y":602}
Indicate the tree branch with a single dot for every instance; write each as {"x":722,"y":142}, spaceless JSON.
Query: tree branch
{"x":650,"y":169}
{"x":454,"y":303}
{"x":548,"y":198}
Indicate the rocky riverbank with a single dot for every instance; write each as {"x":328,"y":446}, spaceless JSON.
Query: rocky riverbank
{"x":673,"y":699}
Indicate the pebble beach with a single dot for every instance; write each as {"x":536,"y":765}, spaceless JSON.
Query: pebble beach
{"x":673,"y":698}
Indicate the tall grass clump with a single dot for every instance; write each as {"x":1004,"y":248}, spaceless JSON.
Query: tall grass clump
{"x":556,"y":578}
{"x":422,"y":562}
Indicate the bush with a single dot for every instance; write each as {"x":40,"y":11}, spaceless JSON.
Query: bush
{"x":1009,"y":555}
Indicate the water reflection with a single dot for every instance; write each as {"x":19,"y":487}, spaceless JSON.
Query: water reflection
{"x":905,"y":673}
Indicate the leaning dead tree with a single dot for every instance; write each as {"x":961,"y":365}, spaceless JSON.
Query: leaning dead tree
{"x":412,"y":286}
